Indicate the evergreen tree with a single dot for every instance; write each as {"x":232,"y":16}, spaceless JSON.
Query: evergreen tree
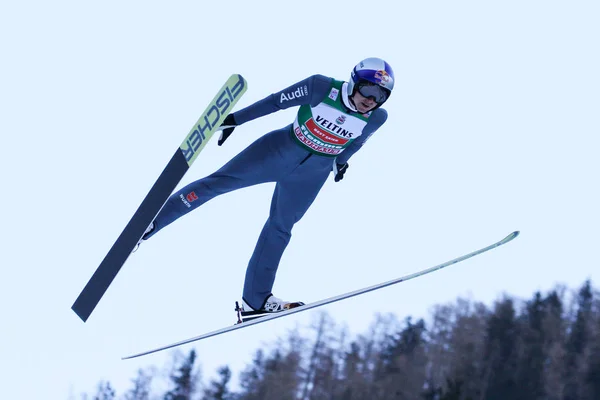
{"x":402,"y":371}
{"x":576,"y":344}
{"x":554,"y":327}
{"x":454,"y":391}
{"x":218,"y":389}
{"x":141,"y":387}
{"x":105,"y":392}
{"x":276,"y":377}
{"x":184,"y":380}
{"x":531,"y":352}
{"x":592,"y":379}
{"x":355,"y":381}
{"x":359,"y":363}
{"x":252,"y":377}
{"x":500,"y":356}
{"x":283,"y":376}
{"x":455,"y":351}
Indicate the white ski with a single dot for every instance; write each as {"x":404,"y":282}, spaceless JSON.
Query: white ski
{"x":331,"y":299}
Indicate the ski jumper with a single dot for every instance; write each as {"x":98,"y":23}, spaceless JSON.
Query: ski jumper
{"x":298,"y":157}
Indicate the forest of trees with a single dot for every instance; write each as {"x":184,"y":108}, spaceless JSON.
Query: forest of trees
{"x":546,"y":347}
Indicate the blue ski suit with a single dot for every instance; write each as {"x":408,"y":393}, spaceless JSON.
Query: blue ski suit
{"x":299,"y":170}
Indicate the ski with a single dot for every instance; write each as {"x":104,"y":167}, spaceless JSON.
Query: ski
{"x":331,"y":299}
{"x":184,"y":156}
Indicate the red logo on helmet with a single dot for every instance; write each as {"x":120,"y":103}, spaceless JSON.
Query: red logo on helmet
{"x":382,"y":76}
{"x":191,"y":197}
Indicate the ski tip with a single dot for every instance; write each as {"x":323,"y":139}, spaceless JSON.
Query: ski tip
{"x":511,"y":236}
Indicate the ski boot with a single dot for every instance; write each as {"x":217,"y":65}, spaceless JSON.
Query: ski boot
{"x":272,"y":305}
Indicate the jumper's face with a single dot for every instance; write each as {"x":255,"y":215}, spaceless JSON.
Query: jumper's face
{"x":362,"y":103}
{"x":368,"y":95}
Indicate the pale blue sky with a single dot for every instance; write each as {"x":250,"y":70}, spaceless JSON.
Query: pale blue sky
{"x":493,"y":128}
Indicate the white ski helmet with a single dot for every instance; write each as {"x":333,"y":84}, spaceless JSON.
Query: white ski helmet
{"x":374,"y":71}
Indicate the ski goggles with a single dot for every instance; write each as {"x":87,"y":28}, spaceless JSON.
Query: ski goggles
{"x":376,"y":92}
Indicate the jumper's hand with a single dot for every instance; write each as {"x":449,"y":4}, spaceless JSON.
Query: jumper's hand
{"x":339,"y":170}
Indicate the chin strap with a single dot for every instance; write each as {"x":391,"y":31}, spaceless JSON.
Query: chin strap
{"x":346,"y":99}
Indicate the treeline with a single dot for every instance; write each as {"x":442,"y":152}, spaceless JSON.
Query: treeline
{"x":547,"y":347}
